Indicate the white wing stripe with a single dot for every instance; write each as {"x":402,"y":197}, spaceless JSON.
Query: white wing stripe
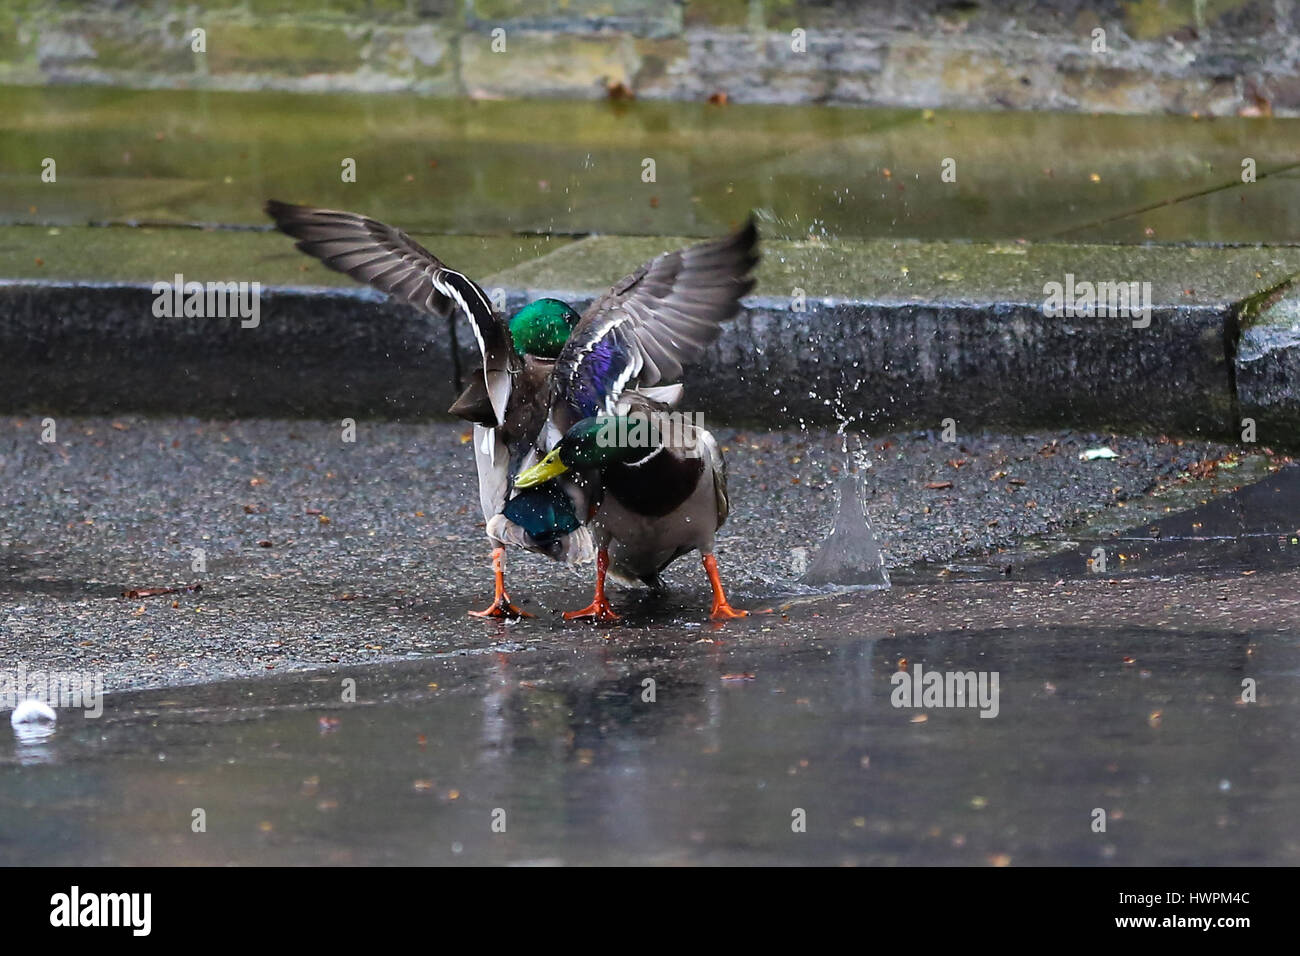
{"x":450,"y":290}
{"x":620,"y":384}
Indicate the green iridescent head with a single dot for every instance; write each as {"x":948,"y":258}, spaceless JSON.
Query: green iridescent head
{"x":592,"y":443}
{"x":541,"y":328}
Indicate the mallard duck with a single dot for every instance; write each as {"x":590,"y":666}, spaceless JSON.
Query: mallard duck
{"x":662,"y":493}
{"x":546,"y":369}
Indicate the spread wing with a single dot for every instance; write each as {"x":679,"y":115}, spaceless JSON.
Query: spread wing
{"x":661,"y":317}
{"x":391,"y":261}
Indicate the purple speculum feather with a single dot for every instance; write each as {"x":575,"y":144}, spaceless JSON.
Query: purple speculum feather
{"x":602,"y":366}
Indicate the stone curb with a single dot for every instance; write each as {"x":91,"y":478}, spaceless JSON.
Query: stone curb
{"x":955,"y":350}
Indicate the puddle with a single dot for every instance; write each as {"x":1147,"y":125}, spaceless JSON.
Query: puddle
{"x":1255,"y":528}
{"x":568,"y":754}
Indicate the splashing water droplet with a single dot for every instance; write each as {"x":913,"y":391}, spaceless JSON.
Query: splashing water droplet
{"x":850,"y":556}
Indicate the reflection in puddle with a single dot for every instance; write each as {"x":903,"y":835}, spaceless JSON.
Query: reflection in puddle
{"x":693,"y":753}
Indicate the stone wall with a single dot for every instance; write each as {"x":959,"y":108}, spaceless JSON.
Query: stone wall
{"x":1217,"y":57}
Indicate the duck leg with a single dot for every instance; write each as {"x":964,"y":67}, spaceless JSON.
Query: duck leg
{"x":599,"y":609}
{"x":501,"y":606}
{"x":722,"y":610}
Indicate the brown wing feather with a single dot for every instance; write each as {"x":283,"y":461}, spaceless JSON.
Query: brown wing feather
{"x":391,"y":261}
{"x":659,"y":318}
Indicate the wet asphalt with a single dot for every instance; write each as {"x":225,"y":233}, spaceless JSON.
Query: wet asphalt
{"x":324,"y":700}
{"x":316,"y":551}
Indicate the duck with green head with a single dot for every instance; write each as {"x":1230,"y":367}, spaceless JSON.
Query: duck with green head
{"x":662,"y":493}
{"x":546,"y":369}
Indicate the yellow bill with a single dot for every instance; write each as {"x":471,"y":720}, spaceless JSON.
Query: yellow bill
{"x":544,"y":470}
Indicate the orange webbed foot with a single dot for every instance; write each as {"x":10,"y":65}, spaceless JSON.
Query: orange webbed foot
{"x":595,"y":611}
{"x":725,"y":612}
{"x":501,"y":609}
{"x":501,"y":606}
{"x":722,"y":610}
{"x":599,"y":609}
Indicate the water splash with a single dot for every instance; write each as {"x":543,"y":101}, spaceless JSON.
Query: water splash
{"x":850,"y":555}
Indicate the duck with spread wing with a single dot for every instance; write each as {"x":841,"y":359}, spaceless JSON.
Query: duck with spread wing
{"x":555,"y":388}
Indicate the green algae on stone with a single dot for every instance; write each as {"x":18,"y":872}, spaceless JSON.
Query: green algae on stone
{"x":1267,"y":359}
{"x":123,"y":255}
{"x":294,"y":49}
{"x":716,"y":13}
{"x":901,"y":272}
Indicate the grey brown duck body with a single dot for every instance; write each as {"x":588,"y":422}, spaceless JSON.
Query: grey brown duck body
{"x":547,"y":369}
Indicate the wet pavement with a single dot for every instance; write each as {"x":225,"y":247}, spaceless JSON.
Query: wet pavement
{"x":278,"y":614}
{"x":565,"y":168}
{"x":559,"y":745}
{"x":664,"y":739}
{"x":311,"y":550}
